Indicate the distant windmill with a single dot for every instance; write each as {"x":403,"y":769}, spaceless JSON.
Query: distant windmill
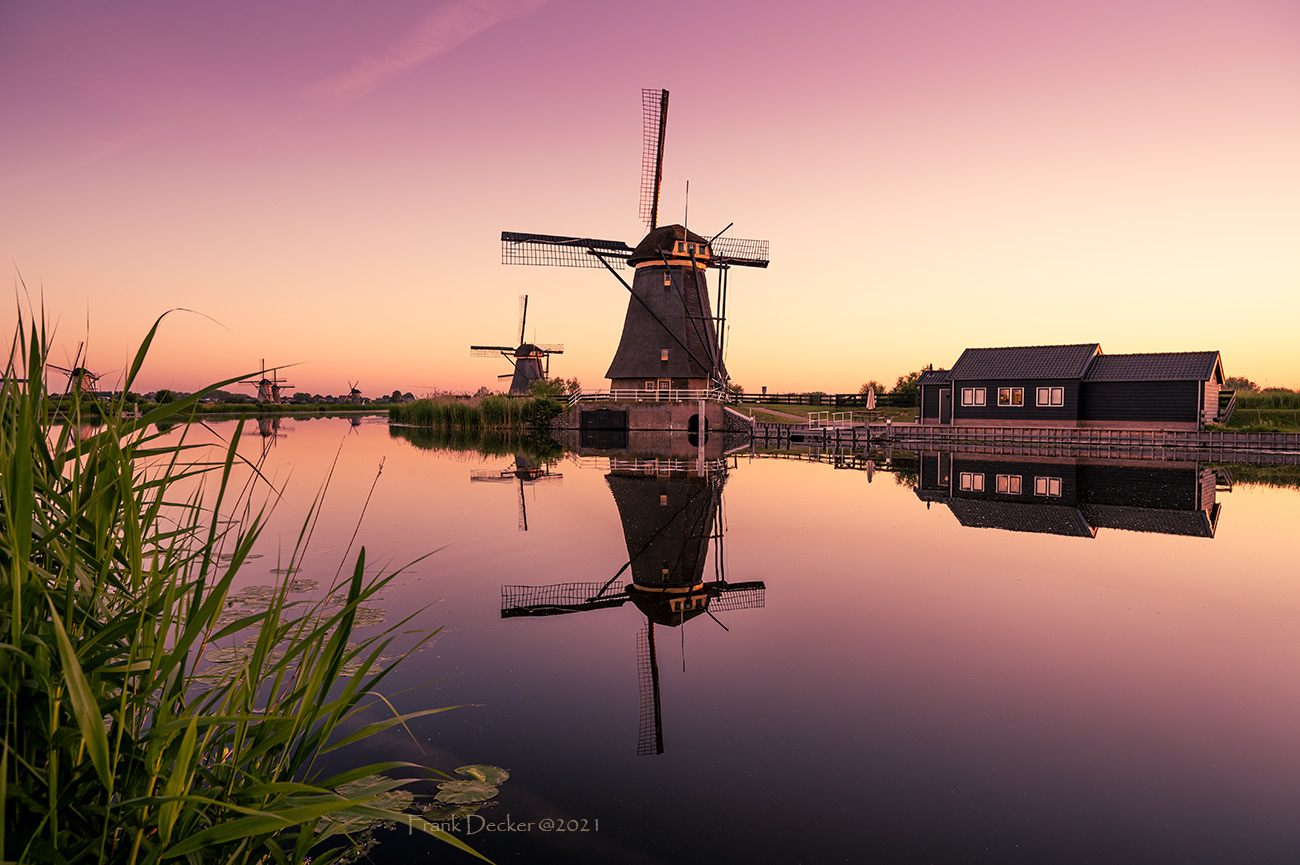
{"x":525,"y":471}
{"x":80,"y":379}
{"x":531,"y":361}
{"x":668,"y":523}
{"x":671,"y":337}
{"x":269,"y":389}
{"x":354,"y":395}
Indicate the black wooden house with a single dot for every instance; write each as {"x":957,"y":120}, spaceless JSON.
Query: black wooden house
{"x":1074,"y":386}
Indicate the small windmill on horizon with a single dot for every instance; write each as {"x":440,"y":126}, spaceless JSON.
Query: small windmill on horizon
{"x":354,"y":394}
{"x":531,"y":361}
{"x":269,"y":390}
{"x":672,"y":339}
{"x":80,"y":379}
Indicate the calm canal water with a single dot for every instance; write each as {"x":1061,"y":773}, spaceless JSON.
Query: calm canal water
{"x":1100,"y":669}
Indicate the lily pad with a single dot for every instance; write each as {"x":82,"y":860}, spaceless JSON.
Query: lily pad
{"x":486,"y":774}
{"x":465,"y":792}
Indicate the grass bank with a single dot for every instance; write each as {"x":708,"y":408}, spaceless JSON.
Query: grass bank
{"x":123,"y":743}
{"x":1272,"y":410}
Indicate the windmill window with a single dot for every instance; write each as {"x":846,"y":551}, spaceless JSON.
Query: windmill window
{"x":663,"y":354}
{"x":649,"y":385}
{"x":1011,"y":396}
{"x":972,"y":396}
{"x":1047,"y":486}
{"x":1009,"y":484}
{"x":972,"y":481}
{"x":663,"y":499}
{"x":1051,"y":396}
{"x":668,"y":279}
{"x":665,"y":573}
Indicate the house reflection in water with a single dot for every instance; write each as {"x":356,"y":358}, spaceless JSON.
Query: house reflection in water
{"x":1067,"y":496}
{"x":671,"y":515}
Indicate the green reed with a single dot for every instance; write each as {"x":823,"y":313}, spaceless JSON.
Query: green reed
{"x":119,"y":744}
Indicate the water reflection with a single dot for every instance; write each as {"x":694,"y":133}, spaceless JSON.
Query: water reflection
{"x":526,"y":471}
{"x":671,"y":513}
{"x":1063,"y":496}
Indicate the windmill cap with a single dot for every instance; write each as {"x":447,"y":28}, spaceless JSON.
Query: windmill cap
{"x":660,"y":242}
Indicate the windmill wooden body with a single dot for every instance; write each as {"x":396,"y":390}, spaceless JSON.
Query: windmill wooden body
{"x":669,"y":522}
{"x":673,"y":338}
{"x":531,"y":361}
{"x":269,"y":390}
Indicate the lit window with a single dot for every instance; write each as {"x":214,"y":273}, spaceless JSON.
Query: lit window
{"x":1009,"y":484}
{"x":1011,"y":396}
{"x":1053,"y":396}
{"x":1047,"y":486}
{"x":649,"y":385}
{"x":972,"y":396}
{"x":663,"y":499}
{"x":663,"y":354}
{"x":973,"y":481}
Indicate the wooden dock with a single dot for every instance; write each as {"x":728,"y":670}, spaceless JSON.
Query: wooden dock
{"x":1083,"y":441}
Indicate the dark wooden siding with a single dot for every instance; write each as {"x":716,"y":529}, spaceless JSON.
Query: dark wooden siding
{"x":1173,"y":401}
{"x":1174,"y":488}
{"x":991,"y":411}
{"x":1066,"y":472}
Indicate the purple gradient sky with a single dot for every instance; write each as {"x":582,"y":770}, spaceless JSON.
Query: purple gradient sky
{"x":328,"y":180}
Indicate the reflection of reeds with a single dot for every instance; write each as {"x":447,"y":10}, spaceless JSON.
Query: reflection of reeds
{"x":488,"y":443}
{"x":117,"y":747}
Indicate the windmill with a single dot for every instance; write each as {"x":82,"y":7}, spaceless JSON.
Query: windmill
{"x":526,"y":472}
{"x":80,"y":379}
{"x":668,"y":521}
{"x":672,"y":340}
{"x":354,"y":395}
{"x":531,"y":361}
{"x":268,"y":389}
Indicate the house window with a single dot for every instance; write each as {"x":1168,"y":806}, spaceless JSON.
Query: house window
{"x":1047,"y":486}
{"x":972,"y":396}
{"x":1053,"y":396}
{"x":663,"y":354}
{"x":1009,"y":484}
{"x":1011,"y":396}
{"x":973,"y":481}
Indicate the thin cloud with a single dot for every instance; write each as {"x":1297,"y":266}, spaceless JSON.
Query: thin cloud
{"x":97,"y":152}
{"x":437,"y":33}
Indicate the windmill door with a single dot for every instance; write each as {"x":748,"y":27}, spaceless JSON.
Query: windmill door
{"x":945,"y":405}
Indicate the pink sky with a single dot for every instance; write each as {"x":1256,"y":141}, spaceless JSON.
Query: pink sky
{"x":326,"y":182}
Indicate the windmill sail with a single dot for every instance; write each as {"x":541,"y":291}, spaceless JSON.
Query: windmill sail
{"x":654,"y":107}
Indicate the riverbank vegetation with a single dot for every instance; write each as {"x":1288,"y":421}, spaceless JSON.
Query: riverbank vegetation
{"x":497,"y":412}
{"x":124,"y":741}
{"x":1268,"y":410}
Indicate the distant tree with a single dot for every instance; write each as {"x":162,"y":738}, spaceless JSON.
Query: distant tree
{"x":872,"y":384}
{"x":408,"y":397}
{"x":301,"y":398}
{"x":482,"y":391}
{"x":164,"y":396}
{"x":907,"y":384}
{"x":735,"y":388}
{"x":572,"y":385}
{"x":1240,"y":382}
{"x":396,"y":396}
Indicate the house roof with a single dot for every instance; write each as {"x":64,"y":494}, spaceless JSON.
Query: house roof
{"x":1031,"y":361}
{"x":1159,"y":366}
{"x":1021,"y":517}
{"x":933,"y":376}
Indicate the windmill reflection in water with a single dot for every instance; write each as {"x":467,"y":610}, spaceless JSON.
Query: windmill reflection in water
{"x":526,"y":471}
{"x":671,"y":517}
